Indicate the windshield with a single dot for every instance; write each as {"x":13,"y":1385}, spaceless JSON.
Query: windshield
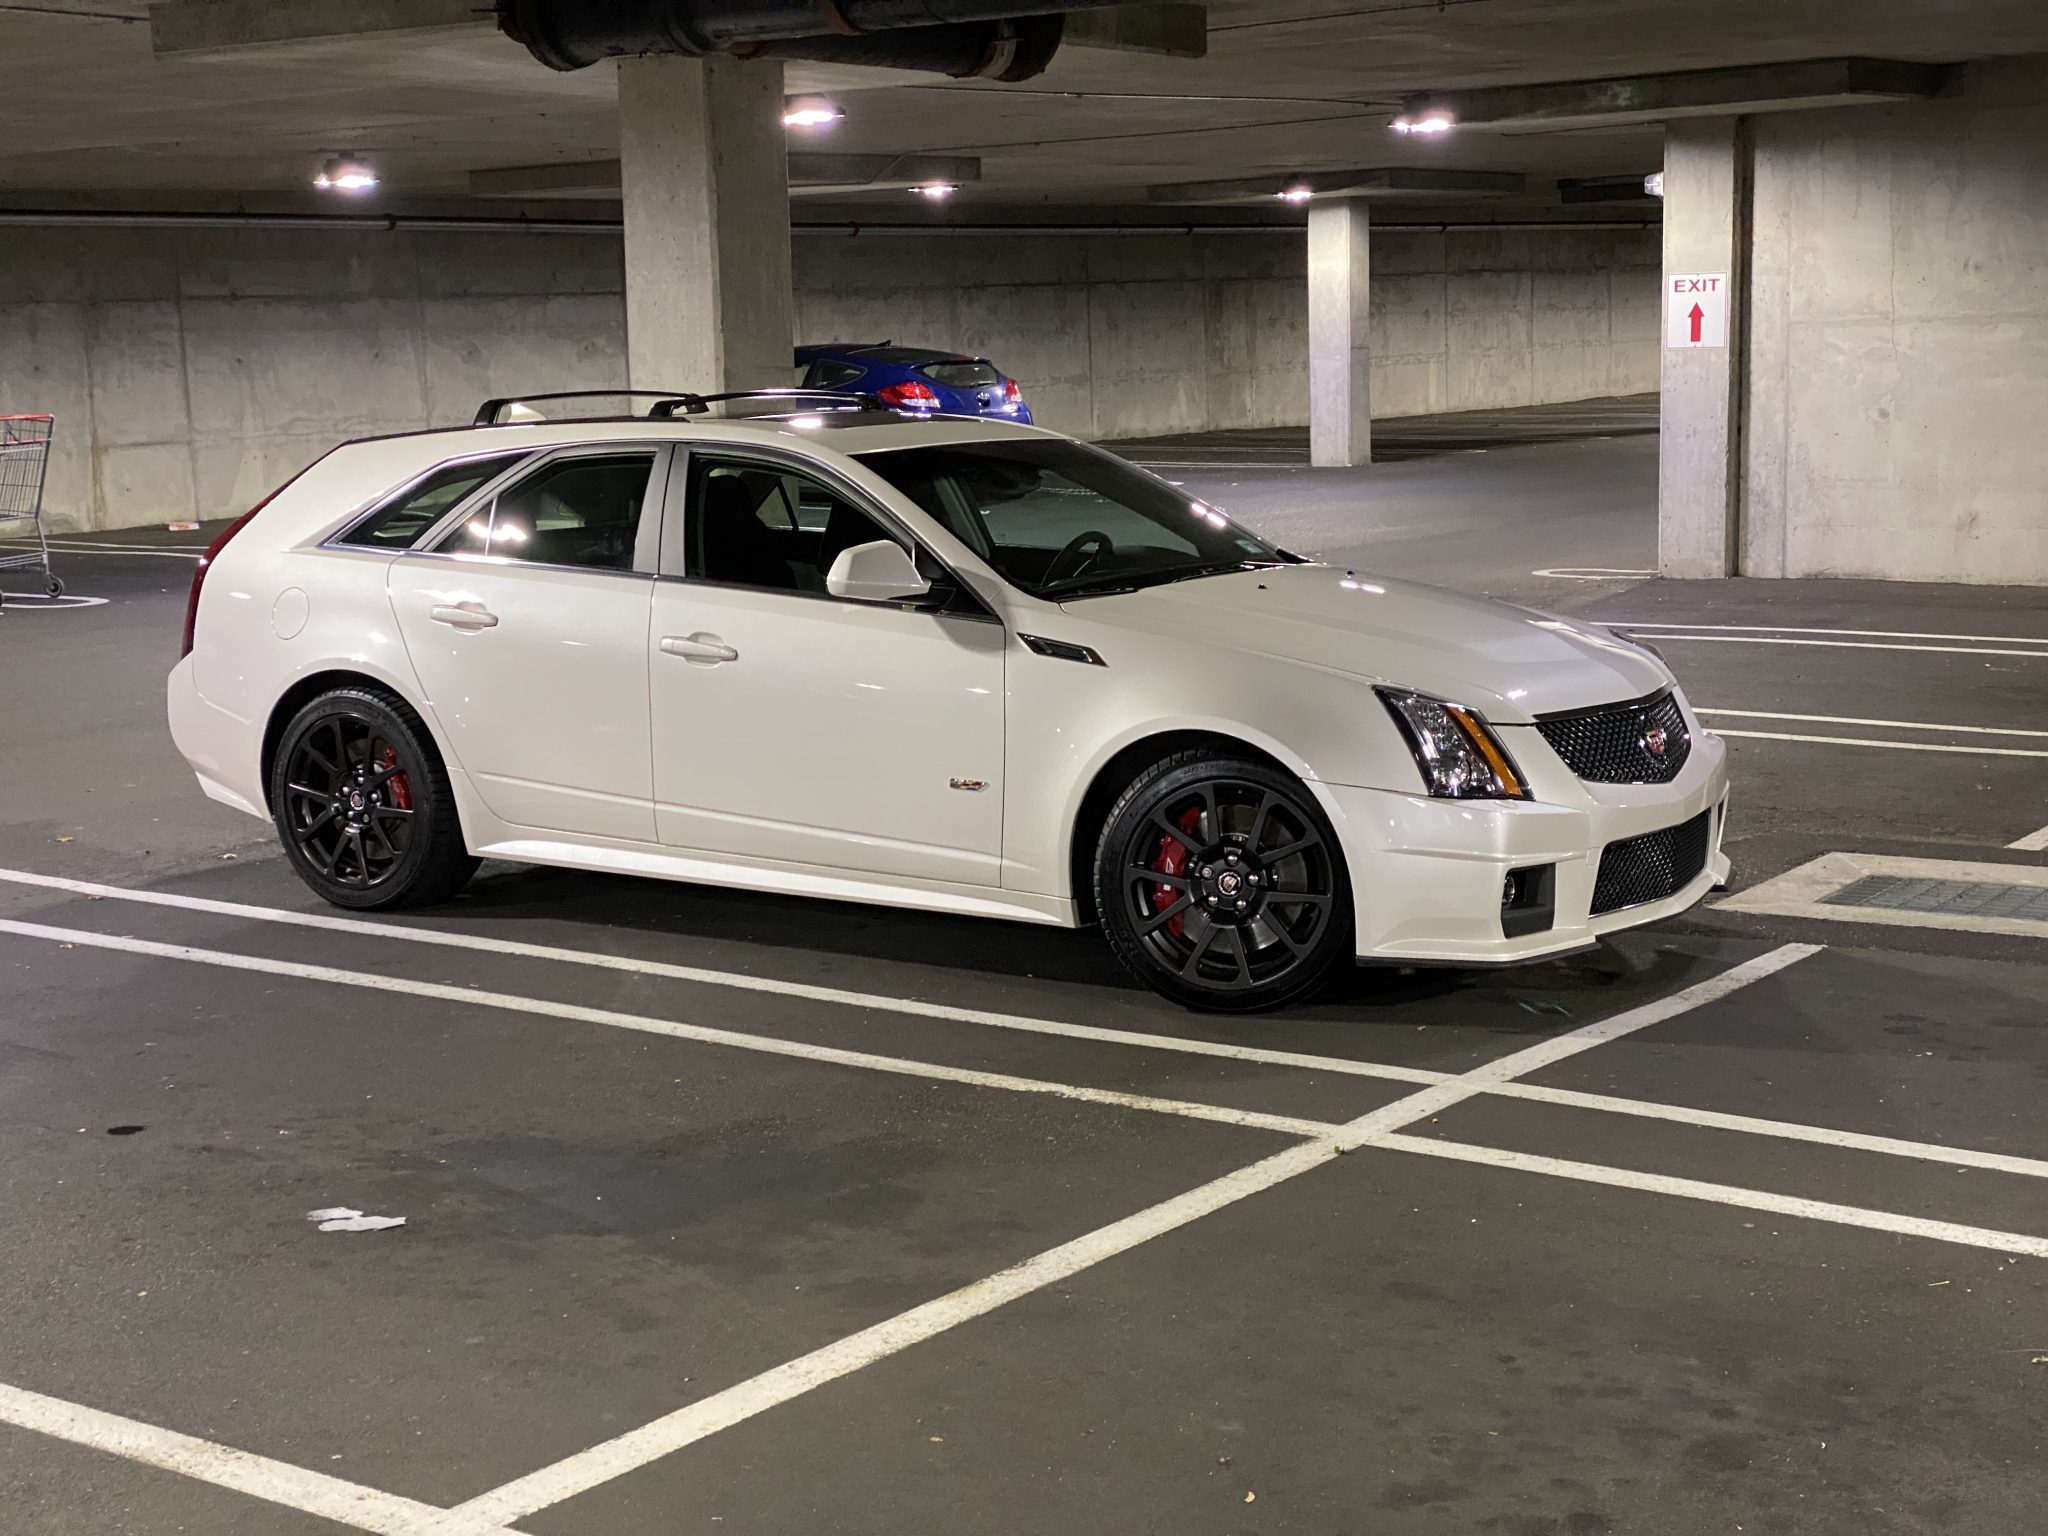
{"x":1061,"y":519}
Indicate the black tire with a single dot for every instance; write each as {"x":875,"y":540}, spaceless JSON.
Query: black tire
{"x":363,"y":806}
{"x":1252,"y":912}
{"x":53,"y":586}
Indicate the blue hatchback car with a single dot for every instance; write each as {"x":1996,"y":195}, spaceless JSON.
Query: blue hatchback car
{"x":913,"y":378}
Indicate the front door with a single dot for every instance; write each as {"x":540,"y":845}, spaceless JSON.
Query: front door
{"x":527,"y":624}
{"x":795,"y":726}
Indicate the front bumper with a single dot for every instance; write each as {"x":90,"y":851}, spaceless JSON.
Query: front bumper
{"x":1427,"y":875}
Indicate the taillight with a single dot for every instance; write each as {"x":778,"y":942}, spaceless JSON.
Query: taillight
{"x":1011,"y":393}
{"x":909,"y":397}
{"x":205,"y":560}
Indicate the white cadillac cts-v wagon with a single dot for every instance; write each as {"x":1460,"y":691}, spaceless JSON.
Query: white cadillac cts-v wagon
{"x":802,"y":645}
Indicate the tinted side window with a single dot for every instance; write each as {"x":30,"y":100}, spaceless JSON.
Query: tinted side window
{"x":582,"y":511}
{"x":753,"y":525}
{"x":831,"y":375}
{"x":400,"y":521}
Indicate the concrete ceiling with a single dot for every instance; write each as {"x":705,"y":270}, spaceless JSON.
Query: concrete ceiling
{"x":88,"y":113}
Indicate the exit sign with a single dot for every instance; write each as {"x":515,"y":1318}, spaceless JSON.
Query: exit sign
{"x":1696,"y":310}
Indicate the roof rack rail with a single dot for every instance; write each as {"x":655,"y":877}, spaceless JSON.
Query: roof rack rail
{"x":671,"y":403}
{"x":492,"y":412}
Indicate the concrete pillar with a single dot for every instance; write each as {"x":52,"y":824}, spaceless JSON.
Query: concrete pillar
{"x":1699,"y":464}
{"x":1339,"y":340}
{"x":705,"y":183}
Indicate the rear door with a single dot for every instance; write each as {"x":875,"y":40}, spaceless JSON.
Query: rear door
{"x":527,"y":624}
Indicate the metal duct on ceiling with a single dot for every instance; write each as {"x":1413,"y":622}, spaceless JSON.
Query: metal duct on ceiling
{"x":995,"y":39}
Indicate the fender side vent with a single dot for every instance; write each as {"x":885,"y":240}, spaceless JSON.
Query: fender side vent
{"x":1062,"y":650}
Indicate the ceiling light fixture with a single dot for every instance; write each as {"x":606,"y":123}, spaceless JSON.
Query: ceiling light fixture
{"x":1653,"y":184}
{"x":809,"y":112}
{"x":936,"y":190}
{"x":1295,"y":194}
{"x":1427,"y":123}
{"x":345,"y":173}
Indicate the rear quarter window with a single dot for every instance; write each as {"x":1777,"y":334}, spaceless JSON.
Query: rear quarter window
{"x":400,"y":521}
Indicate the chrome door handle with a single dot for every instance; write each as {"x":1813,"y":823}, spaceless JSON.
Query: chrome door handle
{"x":463,"y":615}
{"x":703,"y":649}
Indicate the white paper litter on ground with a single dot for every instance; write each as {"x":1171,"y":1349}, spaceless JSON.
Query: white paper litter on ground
{"x":342,"y":1218}
{"x":362,"y":1224}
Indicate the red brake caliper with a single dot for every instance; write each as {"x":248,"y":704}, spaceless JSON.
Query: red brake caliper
{"x":401,"y":786}
{"x":1173,"y":860}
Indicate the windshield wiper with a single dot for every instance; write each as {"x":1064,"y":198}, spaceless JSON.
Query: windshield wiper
{"x":1104,"y":587}
{"x":1210,"y":568}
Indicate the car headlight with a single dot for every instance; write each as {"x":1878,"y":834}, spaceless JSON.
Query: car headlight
{"x":1460,"y":757}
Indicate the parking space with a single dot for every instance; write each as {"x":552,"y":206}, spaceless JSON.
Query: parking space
{"x":743,"y":1212}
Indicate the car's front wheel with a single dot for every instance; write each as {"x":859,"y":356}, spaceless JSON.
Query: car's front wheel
{"x":1219,"y":883}
{"x":363,"y":806}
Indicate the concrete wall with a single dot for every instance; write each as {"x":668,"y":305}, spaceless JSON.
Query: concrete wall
{"x":193,"y":370}
{"x":1898,"y":379}
{"x":1182,"y":334}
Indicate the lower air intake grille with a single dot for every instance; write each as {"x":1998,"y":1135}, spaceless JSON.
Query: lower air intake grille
{"x":1653,"y":866}
{"x":1640,"y":743}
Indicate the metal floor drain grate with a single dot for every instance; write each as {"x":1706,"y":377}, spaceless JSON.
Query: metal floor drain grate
{"x":1957,"y":898}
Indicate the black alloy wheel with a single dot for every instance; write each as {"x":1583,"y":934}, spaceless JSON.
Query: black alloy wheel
{"x":363,"y":806}
{"x":1220,"y":884}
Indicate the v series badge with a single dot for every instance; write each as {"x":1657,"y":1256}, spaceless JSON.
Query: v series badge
{"x":972,"y":786}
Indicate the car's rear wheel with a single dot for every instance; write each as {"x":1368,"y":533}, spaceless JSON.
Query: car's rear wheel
{"x":1219,"y":883}
{"x":362,"y":804}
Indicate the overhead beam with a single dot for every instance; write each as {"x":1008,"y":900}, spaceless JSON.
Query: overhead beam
{"x":1176,"y":31}
{"x":220,"y":26}
{"x":1735,"y":92}
{"x":1403,"y":182}
{"x":810,"y":172}
{"x":1605,"y":189}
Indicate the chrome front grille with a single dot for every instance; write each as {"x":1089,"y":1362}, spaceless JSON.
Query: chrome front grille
{"x":1641,"y":743}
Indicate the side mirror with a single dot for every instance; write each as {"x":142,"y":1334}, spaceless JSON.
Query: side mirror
{"x":881,"y":572}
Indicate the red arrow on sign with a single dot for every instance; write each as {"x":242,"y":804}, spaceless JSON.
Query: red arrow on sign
{"x":1696,"y":316}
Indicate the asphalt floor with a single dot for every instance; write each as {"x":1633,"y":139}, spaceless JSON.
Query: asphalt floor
{"x":737,"y":1213}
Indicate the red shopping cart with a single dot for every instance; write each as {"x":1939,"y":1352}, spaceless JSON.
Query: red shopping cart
{"x":24,"y":464}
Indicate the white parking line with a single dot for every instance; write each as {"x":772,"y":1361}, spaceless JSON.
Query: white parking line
{"x":701,"y":1033}
{"x":839,"y":996}
{"x":1379,"y":1128}
{"x":57,"y":548}
{"x":1643,"y":632}
{"x":1721,"y":1194}
{"x":1781,"y":1130}
{"x":1793,"y":629}
{"x":1896,"y":725}
{"x":2033,"y":842}
{"x":274,"y":1482}
{"x":1895,"y":746}
{"x":611,"y":1459}
{"x":1925,"y":1151}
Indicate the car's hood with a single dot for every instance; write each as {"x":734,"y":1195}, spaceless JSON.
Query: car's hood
{"x":1510,"y":663}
